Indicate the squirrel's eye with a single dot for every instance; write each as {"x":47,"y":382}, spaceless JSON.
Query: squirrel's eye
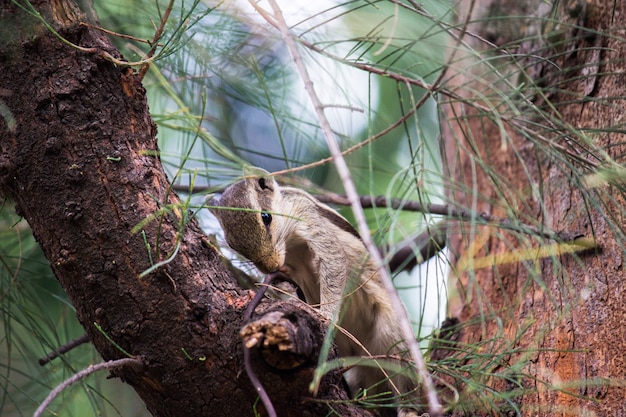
{"x":267,"y":219}
{"x":262,"y":183}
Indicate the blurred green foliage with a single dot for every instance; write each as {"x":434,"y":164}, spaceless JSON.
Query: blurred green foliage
{"x":37,"y":319}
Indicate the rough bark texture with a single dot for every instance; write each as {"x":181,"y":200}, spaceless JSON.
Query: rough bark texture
{"x":77,"y":154}
{"x":574,"y":323}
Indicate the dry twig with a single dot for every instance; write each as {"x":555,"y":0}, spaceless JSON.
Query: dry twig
{"x":80,"y":375}
{"x":279,"y":22}
{"x":64,"y":349}
{"x":254,"y":379}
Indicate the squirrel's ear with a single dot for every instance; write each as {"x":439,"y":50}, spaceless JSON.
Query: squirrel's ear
{"x":264,"y":180}
{"x":252,"y":171}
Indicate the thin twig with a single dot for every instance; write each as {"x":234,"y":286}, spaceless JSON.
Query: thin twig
{"x":117,"y":34}
{"x":363,"y":143}
{"x":434,"y":405}
{"x":97,"y":51}
{"x":155,"y":40}
{"x":451,"y":212}
{"x":254,"y":379}
{"x":64,"y":349}
{"x":80,"y":375}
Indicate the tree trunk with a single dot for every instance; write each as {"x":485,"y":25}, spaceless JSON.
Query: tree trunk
{"x":555,"y":339}
{"x":79,"y":156}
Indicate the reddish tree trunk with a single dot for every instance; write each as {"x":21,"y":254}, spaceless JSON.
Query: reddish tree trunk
{"x":562,"y":331}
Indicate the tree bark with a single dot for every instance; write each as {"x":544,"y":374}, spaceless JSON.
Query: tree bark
{"x":558,"y":337}
{"x":79,"y":156}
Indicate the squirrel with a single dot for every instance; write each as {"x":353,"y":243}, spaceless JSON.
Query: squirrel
{"x":287,"y":229}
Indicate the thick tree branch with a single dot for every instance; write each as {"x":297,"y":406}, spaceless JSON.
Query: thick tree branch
{"x":77,"y":154}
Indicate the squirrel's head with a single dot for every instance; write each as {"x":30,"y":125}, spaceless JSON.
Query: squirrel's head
{"x":245,"y":213}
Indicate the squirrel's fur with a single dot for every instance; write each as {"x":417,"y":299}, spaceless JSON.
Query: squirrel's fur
{"x":284,"y":228}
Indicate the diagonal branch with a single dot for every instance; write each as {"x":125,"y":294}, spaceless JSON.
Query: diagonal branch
{"x":158,"y":33}
{"x":456,"y":213}
{"x":344,"y":173}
